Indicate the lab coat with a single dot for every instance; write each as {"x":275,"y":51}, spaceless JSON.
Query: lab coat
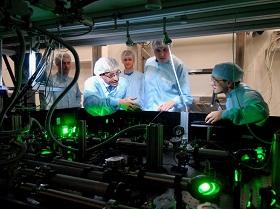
{"x":160,"y":85}
{"x":245,"y":105}
{"x":99,"y":100}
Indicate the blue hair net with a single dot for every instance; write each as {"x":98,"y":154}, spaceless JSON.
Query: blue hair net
{"x":228,"y":71}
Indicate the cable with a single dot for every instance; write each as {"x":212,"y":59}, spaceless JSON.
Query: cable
{"x":75,"y":79}
{"x":33,"y":77}
{"x":155,"y":117}
{"x":269,"y":58}
{"x":18,"y":75}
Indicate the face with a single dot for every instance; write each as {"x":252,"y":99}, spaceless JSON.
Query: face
{"x":220,"y":86}
{"x":111,"y":78}
{"x":162,"y":54}
{"x":128,"y":62}
{"x":65,"y":66}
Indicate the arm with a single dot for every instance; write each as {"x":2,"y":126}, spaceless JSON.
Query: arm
{"x":99,"y":106}
{"x":251,"y":113}
{"x":250,"y":108}
{"x":97,"y":103}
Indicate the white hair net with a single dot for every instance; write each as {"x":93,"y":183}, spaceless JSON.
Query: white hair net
{"x":228,"y":71}
{"x":105,"y":65}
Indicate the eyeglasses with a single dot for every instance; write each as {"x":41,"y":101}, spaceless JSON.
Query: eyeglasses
{"x":111,"y":75}
{"x":215,"y":81}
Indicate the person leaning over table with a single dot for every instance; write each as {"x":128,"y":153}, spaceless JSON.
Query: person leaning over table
{"x":162,"y":92}
{"x":104,"y":93}
{"x":243,"y":104}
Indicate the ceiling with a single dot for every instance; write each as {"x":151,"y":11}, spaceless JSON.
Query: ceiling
{"x":101,"y":22}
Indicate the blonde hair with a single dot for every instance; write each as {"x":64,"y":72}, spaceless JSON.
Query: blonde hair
{"x":127,"y":53}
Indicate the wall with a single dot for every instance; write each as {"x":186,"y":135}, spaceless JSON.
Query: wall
{"x":203,"y":53}
{"x":259,"y":75}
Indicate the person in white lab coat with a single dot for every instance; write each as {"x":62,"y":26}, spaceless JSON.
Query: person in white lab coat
{"x":61,"y":80}
{"x":243,"y":104}
{"x":134,"y":77}
{"x":105,"y":92}
{"x":163,"y":90}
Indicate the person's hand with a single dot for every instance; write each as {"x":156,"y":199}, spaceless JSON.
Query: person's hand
{"x":213,"y":117}
{"x":166,"y":106}
{"x":129,"y":104}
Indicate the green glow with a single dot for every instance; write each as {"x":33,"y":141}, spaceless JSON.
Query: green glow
{"x":57,"y":121}
{"x":99,"y":110}
{"x":259,"y":150}
{"x":46,"y":152}
{"x":260,"y":153}
{"x":67,"y":131}
{"x":208,"y":188}
{"x":204,"y":187}
{"x":245,"y":157}
{"x":273,"y":201}
{"x":249,"y":204}
{"x":237,"y":176}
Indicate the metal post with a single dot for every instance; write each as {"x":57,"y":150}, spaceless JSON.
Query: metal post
{"x":276,"y":164}
{"x":154,"y":146}
{"x":82,"y":140}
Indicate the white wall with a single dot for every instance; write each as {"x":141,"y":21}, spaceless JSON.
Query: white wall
{"x":257,"y":74}
{"x":203,"y":53}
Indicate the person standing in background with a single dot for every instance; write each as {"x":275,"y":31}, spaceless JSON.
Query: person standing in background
{"x":61,"y":80}
{"x":163,"y":90}
{"x":134,"y":78}
{"x":243,"y":104}
{"x":105,"y":92}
